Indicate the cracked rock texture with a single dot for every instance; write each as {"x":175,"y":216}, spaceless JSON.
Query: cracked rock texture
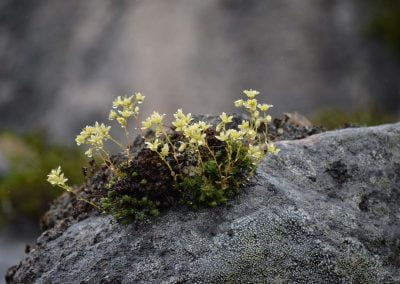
{"x":325,"y":210}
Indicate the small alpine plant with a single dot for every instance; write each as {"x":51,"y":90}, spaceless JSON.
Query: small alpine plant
{"x":192,"y":163}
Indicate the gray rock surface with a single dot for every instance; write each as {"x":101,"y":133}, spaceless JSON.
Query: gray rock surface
{"x":325,"y":210}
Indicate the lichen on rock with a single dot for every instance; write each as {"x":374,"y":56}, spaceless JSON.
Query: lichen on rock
{"x":323,"y":211}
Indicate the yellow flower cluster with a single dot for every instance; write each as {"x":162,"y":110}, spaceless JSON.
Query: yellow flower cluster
{"x":255,"y":153}
{"x":248,"y":143}
{"x":153,"y":146}
{"x":126,"y":107}
{"x":181,"y":120}
{"x":56,"y":177}
{"x":195,"y":133}
{"x":94,"y":136}
{"x":258,"y":112}
{"x":154,"y":120}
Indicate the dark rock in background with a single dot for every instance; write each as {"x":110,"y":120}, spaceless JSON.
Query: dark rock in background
{"x":325,"y":210}
{"x":63,"y":57}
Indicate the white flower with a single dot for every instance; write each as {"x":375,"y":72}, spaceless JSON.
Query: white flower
{"x":127,"y":102}
{"x":126,"y":113}
{"x":164,"y":150}
{"x":225,"y":118}
{"x":181,"y":120}
{"x":234,"y":135}
{"x":272,"y":149}
{"x":118,"y":102}
{"x":182,"y":147}
{"x":113,"y":115}
{"x":195,"y":133}
{"x":203,"y":126}
{"x":255,"y":153}
{"x":89,"y":153}
{"x":153,"y":146}
{"x":146,"y":124}
{"x":156,"y":118}
{"x":245,"y":126}
{"x":139,"y":97}
{"x":238,"y":103}
{"x":122,"y":121}
{"x":251,"y":93}
{"x":56,"y":177}
{"x":264,"y":107}
{"x":251,"y":104}
{"x":223,"y":136}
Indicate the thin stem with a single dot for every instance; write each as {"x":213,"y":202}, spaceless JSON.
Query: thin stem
{"x":172,"y":146}
{"x":238,"y":152}
{"x":168,"y":165}
{"x":138,"y":123}
{"x":200,"y":158}
{"x":101,"y":156}
{"x":229,"y":152}
{"x":69,"y":189}
{"x":215,"y":159}
{"x":107,"y":158}
{"x":127,"y":133}
{"x":119,"y":144}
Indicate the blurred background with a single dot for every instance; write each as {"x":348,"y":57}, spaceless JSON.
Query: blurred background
{"x":62,"y":63}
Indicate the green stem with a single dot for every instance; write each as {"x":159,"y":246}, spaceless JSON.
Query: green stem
{"x":215,"y":159}
{"x":172,"y":146}
{"x":69,"y":189}
{"x":119,"y":144}
{"x":168,"y":165}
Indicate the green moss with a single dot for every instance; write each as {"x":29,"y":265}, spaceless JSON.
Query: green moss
{"x":336,"y":118}
{"x":132,"y":196}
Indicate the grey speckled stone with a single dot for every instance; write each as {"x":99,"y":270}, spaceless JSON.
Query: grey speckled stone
{"x":325,"y":210}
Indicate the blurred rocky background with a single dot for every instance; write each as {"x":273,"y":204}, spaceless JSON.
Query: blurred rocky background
{"x":62,"y":62}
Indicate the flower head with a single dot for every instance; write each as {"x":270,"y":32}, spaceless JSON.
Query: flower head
{"x":126,"y":113}
{"x":238,"y":103}
{"x":94,"y":136}
{"x":225,"y":118}
{"x":165,"y":150}
{"x":255,"y":153}
{"x":139,"y":98}
{"x":195,"y":134}
{"x":223,"y":136}
{"x":182,"y":147}
{"x":264,"y":107}
{"x":272,"y":149}
{"x":118,"y":102}
{"x":251,"y":104}
{"x":113,"y":115}
{"x":245,"y":126}
{"x":251,"y":93}
{"x":56,"y":177}
{"x":153,"y":146}
{"x":181,"y":120}
{"x":156,"y":118}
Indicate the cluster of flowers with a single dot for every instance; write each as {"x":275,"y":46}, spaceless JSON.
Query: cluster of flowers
{"x":56,"y":178}
{"x":125,"y":108}
{"x":248,"y":142}
{"x":246,"y":136}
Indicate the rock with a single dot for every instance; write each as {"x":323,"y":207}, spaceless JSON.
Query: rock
{"x":325,"y":210}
